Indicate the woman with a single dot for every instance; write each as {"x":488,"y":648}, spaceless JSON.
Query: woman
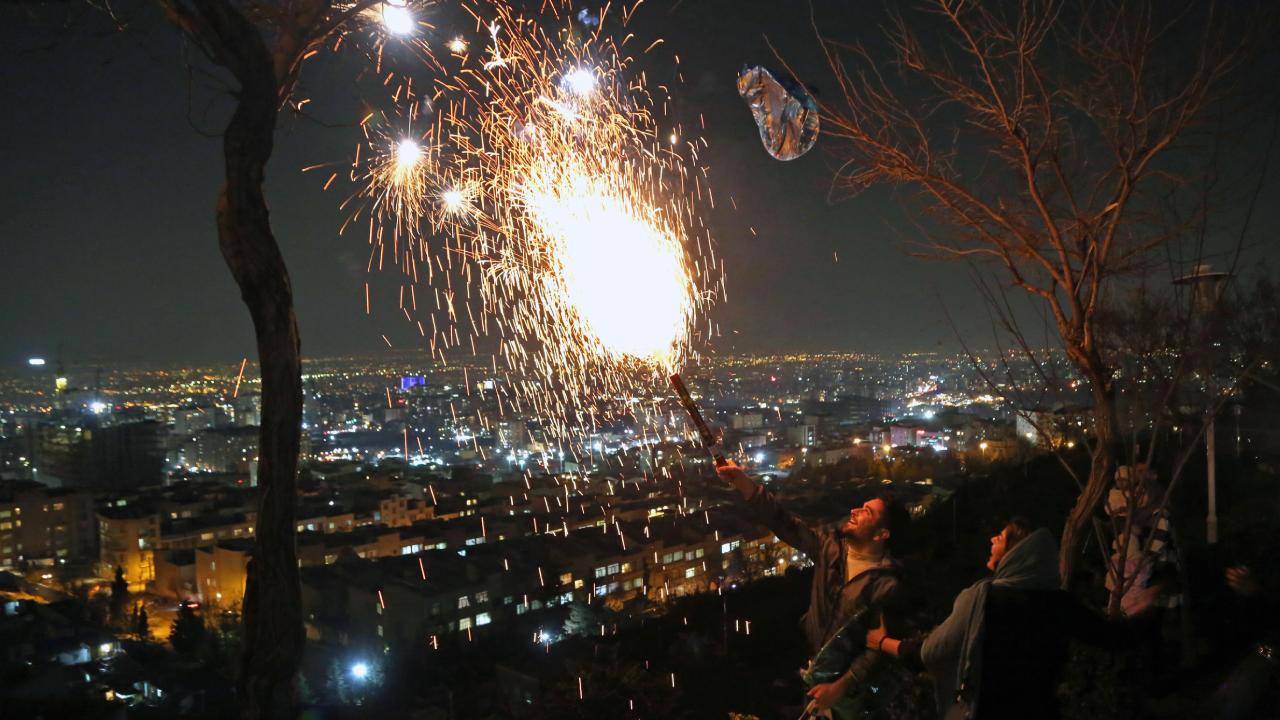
{"x":1000,"y":652}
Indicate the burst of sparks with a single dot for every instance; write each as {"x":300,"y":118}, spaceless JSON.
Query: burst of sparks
{"x":545,"y":213}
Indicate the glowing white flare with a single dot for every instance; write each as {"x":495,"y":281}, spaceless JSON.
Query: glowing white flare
{"x":604,"y":251}
{"x":453,"y":199}
{"x":408,"y":153}
{"x":397,"y":19}
{"x":580,"y":82}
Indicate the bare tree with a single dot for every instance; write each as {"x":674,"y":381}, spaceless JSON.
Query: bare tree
{"x":1038,"y":137}
{"x":263,"y":46}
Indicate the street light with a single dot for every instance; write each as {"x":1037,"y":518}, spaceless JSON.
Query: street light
{"x":360,"y":670}
{"x":1206,"y":290}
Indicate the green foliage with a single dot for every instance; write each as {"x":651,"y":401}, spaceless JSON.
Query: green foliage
{"x":585,"y":620}
{"x":140,"y":627}
{"x":343,"y":686}
{"x":119,"y":599}
{"x":188,"y":633}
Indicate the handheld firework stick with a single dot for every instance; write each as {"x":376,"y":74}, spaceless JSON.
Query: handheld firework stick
{"x":708,"y":439}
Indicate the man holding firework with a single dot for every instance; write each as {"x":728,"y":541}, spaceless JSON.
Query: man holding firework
{"x":855,"y":583}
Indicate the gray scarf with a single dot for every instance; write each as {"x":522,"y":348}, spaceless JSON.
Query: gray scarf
{"x":953,"y":651}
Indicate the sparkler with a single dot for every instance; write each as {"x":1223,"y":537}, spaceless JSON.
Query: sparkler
{"x":709,"y":440}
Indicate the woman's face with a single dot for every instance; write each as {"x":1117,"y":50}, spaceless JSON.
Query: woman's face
{"x":999,"y":548}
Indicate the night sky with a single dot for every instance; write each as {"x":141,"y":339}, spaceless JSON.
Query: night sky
{"x":109,"y":247}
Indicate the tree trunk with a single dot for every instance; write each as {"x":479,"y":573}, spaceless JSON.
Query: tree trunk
{"x":273,"y":633}
{"x":1101,"y":467}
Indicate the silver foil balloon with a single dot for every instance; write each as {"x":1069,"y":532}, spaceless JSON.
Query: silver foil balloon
{"x":785,"y":112}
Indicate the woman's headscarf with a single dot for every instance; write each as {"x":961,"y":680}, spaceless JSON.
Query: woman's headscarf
{"x":953,"y":651}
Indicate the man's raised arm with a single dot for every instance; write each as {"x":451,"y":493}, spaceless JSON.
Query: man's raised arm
{"x":789,"y":528}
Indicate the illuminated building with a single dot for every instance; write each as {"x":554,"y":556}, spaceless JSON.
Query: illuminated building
{"x":126,"y":539}
{"x":41,"y":523}
{"x":221,"y":571}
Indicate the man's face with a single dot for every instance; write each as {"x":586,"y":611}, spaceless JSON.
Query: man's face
{"x":865,"y":522}
{"x":999,"y":548}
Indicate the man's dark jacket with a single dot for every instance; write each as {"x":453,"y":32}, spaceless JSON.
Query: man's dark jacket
{"x":833,"y":598}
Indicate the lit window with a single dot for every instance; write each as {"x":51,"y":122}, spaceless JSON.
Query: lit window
{"x":464,"y":623}
{"x":482,"y":596}
{"x":690,"y":572}
{"x":482,"y":619}
{"x":463,"y":602}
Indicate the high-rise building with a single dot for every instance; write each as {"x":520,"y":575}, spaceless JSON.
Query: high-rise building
{"x":192,"y":419}
{"x":42,"y":523}
{"x":92,"y":454}
{"x":233,"y":449}
{"x":248,"y":410}
{"x":513,"y":434}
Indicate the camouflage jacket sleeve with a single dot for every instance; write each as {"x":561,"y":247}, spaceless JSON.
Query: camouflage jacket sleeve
{"x":884,"y":605}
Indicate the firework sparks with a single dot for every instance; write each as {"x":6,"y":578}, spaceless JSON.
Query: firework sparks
{"x":539,"y":180}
